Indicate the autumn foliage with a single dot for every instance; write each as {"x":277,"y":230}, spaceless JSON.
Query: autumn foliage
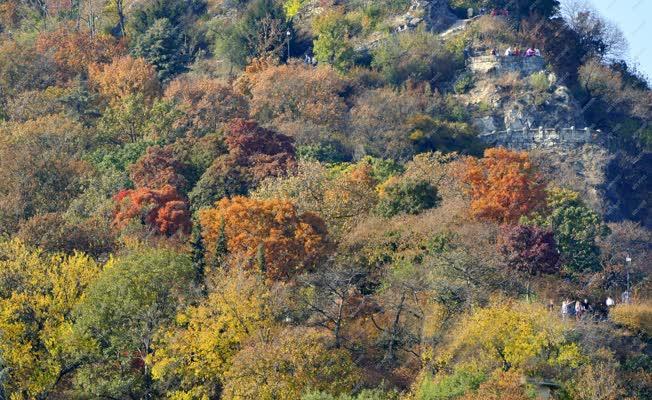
{"x":123,"y":77}
{"x":504,"y":185}
{"x":206,"y":104}
{"x":74,"y":50}
{"x":293,"y":91}
{"x":163,"y":210}
{"x":292,"y":241}
{"x":529,"y":249}
{"x":263,"y":151}
{"x":156,"y":168}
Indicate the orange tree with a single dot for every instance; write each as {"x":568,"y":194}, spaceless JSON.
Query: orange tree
{"x":289,"y":241}
{"x":74,"y":50}
{"x":504,"y":185}
{"x":124,"y":77}
{"x":163,"y":210}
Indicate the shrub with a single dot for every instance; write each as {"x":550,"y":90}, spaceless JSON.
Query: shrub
{"x":409,"y":197}
{"x":510,"y":81}
{"x":374,"y":394}
{"x":637,"y":317}
{"x":464,"y":83}
{"x":451,"y":386}
{"x":502,"y":386}
{"x":539,"y":82}
{"x":326,"y":151}
{"x":430,"y":134}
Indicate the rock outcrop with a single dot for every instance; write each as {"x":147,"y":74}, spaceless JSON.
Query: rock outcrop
{"x":438,"y":15}
{"x":434,"y":13}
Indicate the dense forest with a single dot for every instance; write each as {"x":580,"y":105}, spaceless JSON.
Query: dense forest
{"x":291,"y":199}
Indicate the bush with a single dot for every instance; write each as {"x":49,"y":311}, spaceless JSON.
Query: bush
{"x":451,"y":386}
{"x":464,"y":83}
{"x":503,"y":386}
{"x":409,"y":197}
{"x":374,"y":394}
{"x":539,"y":82}
{"x":326,"y":151}
{"x":637,"y":317}
{"x":432,"y":134}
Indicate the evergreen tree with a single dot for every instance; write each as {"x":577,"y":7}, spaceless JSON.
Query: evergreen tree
{"x":161,"y":46}
{"x":261,"y":31}
{"x":221,"y":247}
{"x":260,"y":259}
{"x":197,"y":253}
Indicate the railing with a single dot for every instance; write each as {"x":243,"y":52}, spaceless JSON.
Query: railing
{"x":529,"y":138}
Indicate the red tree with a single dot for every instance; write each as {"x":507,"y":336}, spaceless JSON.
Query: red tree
{"x":163,"y":210}
{"x":158,"y":167}
{"x":529,"y":249}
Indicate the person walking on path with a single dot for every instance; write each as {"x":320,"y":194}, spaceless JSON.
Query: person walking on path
{"x":578,"y":310}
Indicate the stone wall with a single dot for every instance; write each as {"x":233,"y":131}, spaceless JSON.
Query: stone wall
{"x":532,"y":138}
{"x":488,"y":64}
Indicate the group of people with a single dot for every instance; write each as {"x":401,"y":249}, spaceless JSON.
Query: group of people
{"x":578,"y":309}
{"x":517,"y":52}
{"x":309,"y":59}
{"x":575,"y":309}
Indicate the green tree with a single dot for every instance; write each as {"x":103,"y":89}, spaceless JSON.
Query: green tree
{"x":333,"y":43}
{"x":197,"y":253}
{"x":260,"y":31}
{"x":576,"y":228}
{"x":159,"y":46}
{"x":120,"y":315}
{"x":221,"y":247}
{"x":411,"y":197}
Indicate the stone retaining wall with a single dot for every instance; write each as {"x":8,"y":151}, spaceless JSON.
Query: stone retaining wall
{"x":525,"y":139}
{"x":503,"y":64}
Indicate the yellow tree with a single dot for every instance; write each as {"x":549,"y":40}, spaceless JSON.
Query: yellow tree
{"x":37,"y":295}
{"x":196,"y":352}
{"x":513,"y":336}
{"x":286,"y":363}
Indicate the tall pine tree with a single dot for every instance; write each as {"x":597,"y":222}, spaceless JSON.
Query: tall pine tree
{"x":198,"y":253}
{"x":221,"y":247}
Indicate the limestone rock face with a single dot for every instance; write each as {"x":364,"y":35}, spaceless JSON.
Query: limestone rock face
{"x":528,"y":116}
{"x":516,"y":110}
{"x":439,"y":17}
{"x":583,"y":168}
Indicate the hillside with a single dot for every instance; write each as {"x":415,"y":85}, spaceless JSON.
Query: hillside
{"x":322,"y":200}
